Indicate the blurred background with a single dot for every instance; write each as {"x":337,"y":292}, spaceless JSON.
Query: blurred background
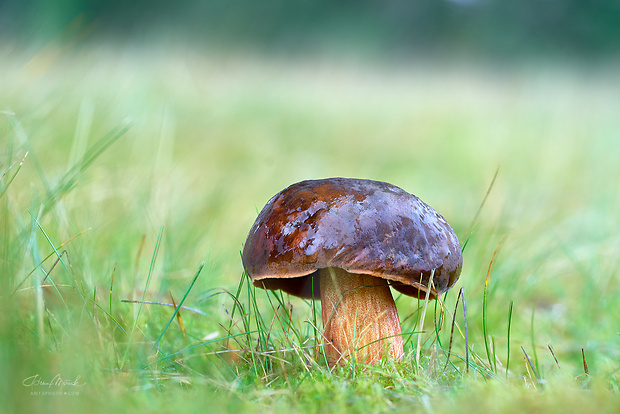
{"x":396,"y":28}
{"x":226,"y":103}
{"x":211,"y":107}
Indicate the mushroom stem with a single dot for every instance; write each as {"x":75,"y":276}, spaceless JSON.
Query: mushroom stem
{"x":359,"y":317}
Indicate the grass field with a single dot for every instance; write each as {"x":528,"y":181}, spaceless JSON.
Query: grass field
{"x":134,"y":174}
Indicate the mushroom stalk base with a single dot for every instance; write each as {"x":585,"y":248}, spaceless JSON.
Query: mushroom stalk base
{"x":359,"y":317}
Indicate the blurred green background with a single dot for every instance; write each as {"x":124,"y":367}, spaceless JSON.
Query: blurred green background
{"x":483,"y":27}
{"x":219,"y":105}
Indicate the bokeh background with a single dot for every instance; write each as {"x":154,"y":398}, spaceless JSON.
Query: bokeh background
{"x":133,"y":117}
{"x":488,"y":27}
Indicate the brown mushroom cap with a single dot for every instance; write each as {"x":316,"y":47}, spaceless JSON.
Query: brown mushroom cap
{"x":361,"y":226}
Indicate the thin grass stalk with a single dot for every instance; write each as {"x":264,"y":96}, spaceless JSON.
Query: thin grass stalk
{"x":352,"y":341}
{"x":40,"y":307}
{"x":114,"y":321}
{"x":531,"y":365}
{"x":485,"y":332}
{"x":422,"y":317}
{"x":508,"y":338}
{"x":273,"y":320}
{"x":248,"y":323}
{"x":68,"y":180}
{"x":318,"y":339}
{"x":585,"y":364}
{"x":484,"y":200}
{"x":439,"y":319}
{"x":40,"y":262}
{"x":554,"y":357}
{"x":6,"y":186}
{"x":244,"y":317}
{"x":484,"y":323}
{"x":466,"y":337}
{"x":178,"y":307}
{"x":59,"y":256}
{"x":493,"y":350}
{"x":189,"y":348}
{"x":40,"y":303}
{"x":146,"y":285}
{"x":289,"y":323}
{"x":237,"y":303}
{"x":112,"y":286}
{"x":533,"y":341}
{"x":469,"y":231}
{"x":261,"y":343}
{"x":456,"y":305}
{"x":439,"y":326}
{"x":172,"y":305}
{"x":22,"y":136}
{"x":298,"y":334}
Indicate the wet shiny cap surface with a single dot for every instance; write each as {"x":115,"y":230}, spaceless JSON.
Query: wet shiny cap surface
{"x":361,"y":226}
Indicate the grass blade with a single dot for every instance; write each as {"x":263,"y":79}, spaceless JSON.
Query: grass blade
{"x":422,"y":317}
{"x":534,"y":370}
{"x":41,"y":261}
{"x":456,"y":306}
{"x":484,"y":200}
{"x":508,"y":338}
{"x":146,"y":285}
{"x":585,"y":364}
{"x":465,"y":326}
{"x":554,"y":357}
{"x":112,"y":286}
{"x":5,"y":187}
{"x":59,"y":258}
{"x":533,"y":341}
{"x":69,"y":179}
{"x":178,"y":307}
{"x":491,"y":360}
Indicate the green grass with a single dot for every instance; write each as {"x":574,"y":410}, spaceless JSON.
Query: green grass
{"x":129,"y":178}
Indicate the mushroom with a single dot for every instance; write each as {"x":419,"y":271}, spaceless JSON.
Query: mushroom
{"x":346,"y":241}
